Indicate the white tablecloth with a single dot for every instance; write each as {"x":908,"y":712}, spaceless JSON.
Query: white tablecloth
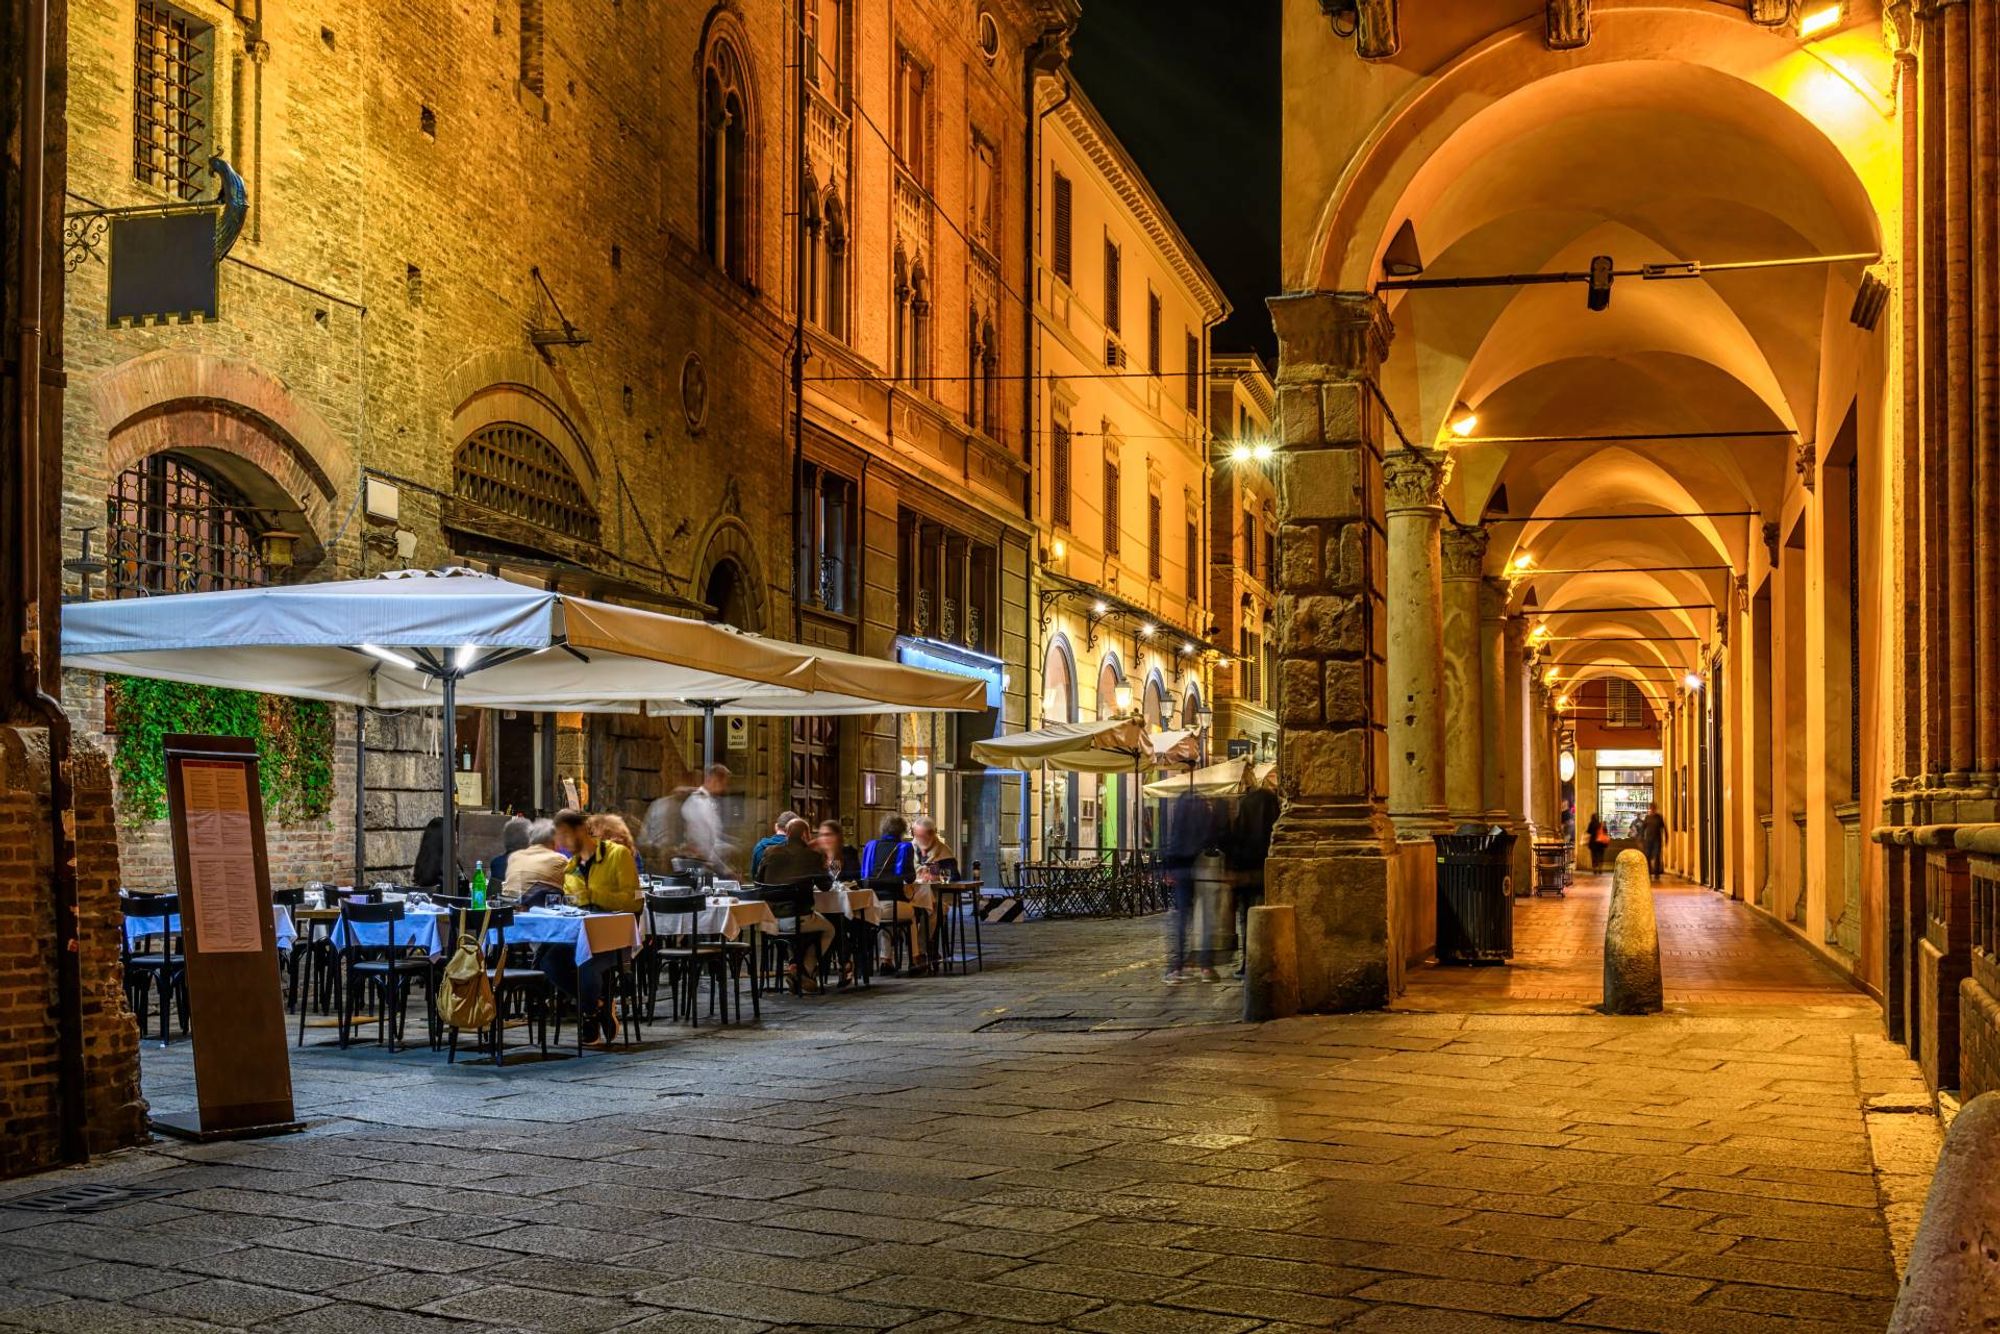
{"x":724,"y":916}
{"x":426,"y":928}
{"x":138,"y":928}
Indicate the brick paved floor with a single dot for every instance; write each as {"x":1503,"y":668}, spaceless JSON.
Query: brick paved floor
{"x":944,"y":1154}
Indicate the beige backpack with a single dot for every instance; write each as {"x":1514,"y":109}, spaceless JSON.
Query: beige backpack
{"x":465,"y":991}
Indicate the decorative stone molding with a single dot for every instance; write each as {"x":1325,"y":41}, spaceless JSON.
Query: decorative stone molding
{"x":1413,"y":479}
{"x":1464,"y":552}
{"x":1567,"y":25}
{"x":1769,"y":13}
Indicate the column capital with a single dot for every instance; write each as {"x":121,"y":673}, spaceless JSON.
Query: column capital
{"x":1330,"y":335}
{"x":1464,"y":551}
{"x":1413,"y":480}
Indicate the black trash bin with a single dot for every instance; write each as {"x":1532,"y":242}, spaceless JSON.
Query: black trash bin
{"x":1475,"y":896}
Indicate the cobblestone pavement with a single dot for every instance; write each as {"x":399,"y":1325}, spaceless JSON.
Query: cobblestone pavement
{"x":1061,"y":1141}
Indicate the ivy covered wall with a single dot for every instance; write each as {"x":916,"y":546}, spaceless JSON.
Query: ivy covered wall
{"x":294,"y":743}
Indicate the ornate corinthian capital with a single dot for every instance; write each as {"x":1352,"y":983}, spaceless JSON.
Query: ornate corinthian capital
{"x":1414,"y":479}
{"x":1464,"y":551}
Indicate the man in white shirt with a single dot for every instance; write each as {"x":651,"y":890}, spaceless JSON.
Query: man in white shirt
{"x":701,"y":819}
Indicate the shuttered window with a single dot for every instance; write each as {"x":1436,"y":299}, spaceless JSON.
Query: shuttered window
{"x":1113,"y":288}
{"x":1193,"y":561}
{"x":1153,"y":332}
{"x":1153,"y":557}
{"x":1063,"y":259}
{"x":1059,"y":509}
{"x":1193,"y":373}
{"x":1111,"y":543}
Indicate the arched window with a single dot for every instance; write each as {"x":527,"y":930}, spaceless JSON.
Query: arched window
{"x":833,"y":303}
{"x":727,"y":176}
{"x":900,"y":368}
{"x":509,"y":468}
{"x":920,"y":322}
{"x":989,"y":375}
{"x":174,"y":526}
{"x":975,"y":384}
{"x":811,"y":238}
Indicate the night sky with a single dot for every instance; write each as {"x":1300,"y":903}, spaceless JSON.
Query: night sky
{"x":1191,"y":88}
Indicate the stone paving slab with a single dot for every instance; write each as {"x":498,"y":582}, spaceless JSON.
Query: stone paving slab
{"x":897,"y":1160}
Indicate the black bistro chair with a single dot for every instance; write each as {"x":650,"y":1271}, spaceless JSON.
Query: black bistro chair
{"x":387,"y":971}
{"x":784,"y":950}
{"x":901,"y":919}
{"x":527,"y":989}
{"x":684,"y":958}
{"x":153,"y":958}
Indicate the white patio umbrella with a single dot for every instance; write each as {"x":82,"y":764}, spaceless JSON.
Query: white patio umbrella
{"x":1103,"y":746}
{"x":419,"y":639}
{"x":1225,"y":779}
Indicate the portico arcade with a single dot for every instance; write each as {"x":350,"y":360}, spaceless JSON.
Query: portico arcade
{"x":1727,"y":485}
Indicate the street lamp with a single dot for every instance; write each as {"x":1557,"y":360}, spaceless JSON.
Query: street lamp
{"x":1121,"y":696}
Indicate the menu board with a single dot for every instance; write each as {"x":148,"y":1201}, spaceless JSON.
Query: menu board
{"x":221,"y":886}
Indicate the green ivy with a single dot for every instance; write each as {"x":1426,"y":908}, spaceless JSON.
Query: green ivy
{"x":294,"y":743}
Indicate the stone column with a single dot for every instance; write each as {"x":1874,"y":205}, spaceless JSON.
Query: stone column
{"x":1332,"y":853}
{"x":1413,"y":482}
{"x":1515,"y":661}
{"x":1543,"y":800}
{"x":1464,"y":727}
{"x":1493,"y":708}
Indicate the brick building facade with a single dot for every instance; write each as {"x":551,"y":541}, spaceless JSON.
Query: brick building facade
{"x":479,"y":247}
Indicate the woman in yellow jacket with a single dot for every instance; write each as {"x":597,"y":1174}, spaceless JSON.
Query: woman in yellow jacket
{"x":603,"y":877}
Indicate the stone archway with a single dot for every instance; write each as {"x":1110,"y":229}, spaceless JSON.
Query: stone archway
{"x":730,"y":570}
{"x":237,"y":419}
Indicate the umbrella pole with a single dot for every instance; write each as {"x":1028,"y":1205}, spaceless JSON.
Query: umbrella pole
{"x":450,"y":770}
{"x":707,"y":737}
{"x":360,"y":795}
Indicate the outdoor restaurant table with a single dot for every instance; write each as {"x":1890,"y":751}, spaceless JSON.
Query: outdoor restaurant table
{"x":425,"y":926}
{"x":724,"y":916}
{"x":843,"y":901}
{"x":138,"y":927}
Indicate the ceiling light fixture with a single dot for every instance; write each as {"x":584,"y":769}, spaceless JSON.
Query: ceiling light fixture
{"x":1463,"y":420}
{"x":1523,"y":562}
{"x":1402,"y":259}
{"x":1692,"y":680}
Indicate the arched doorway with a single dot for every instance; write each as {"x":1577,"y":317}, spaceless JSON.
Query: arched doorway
{"x":1113,"y":791}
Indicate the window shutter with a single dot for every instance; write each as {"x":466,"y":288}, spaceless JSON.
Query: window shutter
{"x":1064,"y":260}
{"x":1113,"y":319}
{"x":1193,"y":373}
{"x":1110,"y":508}
{"x":1059,"y":475}
{"x":1153,"y":536}
{"x":1193,"y":561}
{"x":1153,"y":332}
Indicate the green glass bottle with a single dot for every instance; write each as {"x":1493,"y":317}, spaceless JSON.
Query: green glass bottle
{"x":479,"y":884}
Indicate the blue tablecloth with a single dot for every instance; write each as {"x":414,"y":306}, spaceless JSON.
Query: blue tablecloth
{"x":426,"y":928}
{"x":138,"y":928}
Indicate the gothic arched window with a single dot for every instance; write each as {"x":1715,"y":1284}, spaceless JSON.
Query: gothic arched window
{"x":728,"y":146}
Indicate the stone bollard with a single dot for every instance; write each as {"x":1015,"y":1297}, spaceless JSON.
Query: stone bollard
{"x":1271,"y":964}
{"x":1631,"y":940}
{"x":1953,"y":1281}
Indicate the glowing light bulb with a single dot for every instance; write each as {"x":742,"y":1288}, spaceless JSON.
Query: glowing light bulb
{"x":1100,"y":607}
{"x":1692,"y":680}
{"x":1262,"y":453}
{"x":1523,"y":562}
{"x":1239,"y":453}
{"x":1463,"y":421}
{"x":1821,"y":19}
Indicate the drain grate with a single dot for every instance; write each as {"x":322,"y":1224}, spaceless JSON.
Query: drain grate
{"x":1044,"y":1023}
{"x":85,"y":1199}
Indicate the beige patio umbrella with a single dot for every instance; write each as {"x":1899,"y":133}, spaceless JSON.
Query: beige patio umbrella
{"x":1104,"y":746}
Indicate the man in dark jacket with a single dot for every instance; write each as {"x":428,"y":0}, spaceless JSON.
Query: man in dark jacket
{"x":1191,"y":829}
{"x":1249,"y":849}
{"x":1653,"y":837}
